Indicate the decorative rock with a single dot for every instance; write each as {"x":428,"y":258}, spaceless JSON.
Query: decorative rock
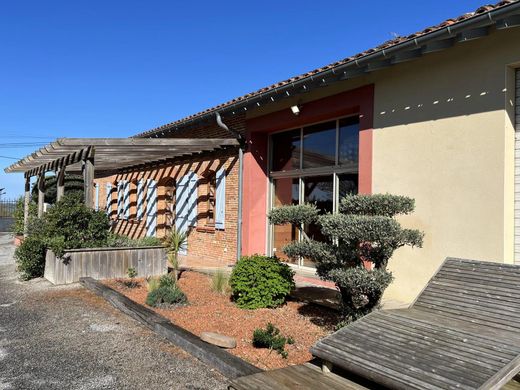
{"x":218,"y":339}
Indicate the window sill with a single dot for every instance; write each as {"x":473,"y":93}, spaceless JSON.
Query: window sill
{"x":205,"y":229}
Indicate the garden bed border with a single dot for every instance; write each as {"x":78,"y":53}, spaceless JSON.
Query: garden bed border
{"x":229,"y":365}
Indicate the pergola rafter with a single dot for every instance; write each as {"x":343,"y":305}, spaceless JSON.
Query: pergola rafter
{"x":88,"y":155}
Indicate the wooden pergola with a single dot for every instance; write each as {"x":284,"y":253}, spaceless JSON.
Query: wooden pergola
{"x":103,"y":155}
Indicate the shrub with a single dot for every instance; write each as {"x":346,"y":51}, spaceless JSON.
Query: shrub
{"x":30,"y":258}
{"x":364,"y":231}
{"x":18,"y":226}
{"x":119,"y":241}
{"x":167,"y":281}
{"x":271,"y":338}
{"x":260,"y":281}
{"x":220,"y":282}
{"x":19,"y":223}
{"x":131,"y":272}
{"x":165,"y":295}
{"x":75,"y":225}
{"x":73,"y":185}
{"x":152,"y":284}
{"x":176,"y":241}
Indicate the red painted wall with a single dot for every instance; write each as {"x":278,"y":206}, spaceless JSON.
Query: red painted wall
{"x":358,"y":101}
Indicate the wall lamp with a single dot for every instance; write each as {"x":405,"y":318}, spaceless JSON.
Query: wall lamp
{"x":295,"y":110}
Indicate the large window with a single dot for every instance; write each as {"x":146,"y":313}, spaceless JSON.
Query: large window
{"x":313,"y":164}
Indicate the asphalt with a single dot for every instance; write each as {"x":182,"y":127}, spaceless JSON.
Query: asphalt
{"x":67,"y":338}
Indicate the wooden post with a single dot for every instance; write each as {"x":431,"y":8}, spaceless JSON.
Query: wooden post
{"x":88,"y":179}
{"x":41,"y":193}
{"x":60,"y":182}
{"x":26,"y":202}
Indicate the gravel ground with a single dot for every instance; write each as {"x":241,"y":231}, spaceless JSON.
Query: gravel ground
{"x":67,"y":338}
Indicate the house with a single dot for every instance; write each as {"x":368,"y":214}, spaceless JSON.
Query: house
{"x":431,"y":116}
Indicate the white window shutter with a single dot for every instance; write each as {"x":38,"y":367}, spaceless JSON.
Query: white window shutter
{"x":109,"y":198}
{"x":140,"y":199}
{"x":192,"y":199}
{"x":220,"y":201}
{"x":151,"y":208}
{"x":119,"y":199}
{"x":126,"y":199}
{"x":96,"y":201}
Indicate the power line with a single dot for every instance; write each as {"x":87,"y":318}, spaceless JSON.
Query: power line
{"x":11,"y":158}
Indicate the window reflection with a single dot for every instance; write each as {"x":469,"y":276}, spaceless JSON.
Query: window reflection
{"x":286,"y":150}
{"x":327,"y":149}
{"x":349,"y":141}
{"x":348,"y":184}
{"x":286,"y":192}
{"x":319,"y":191}
{"x":319,"y":145}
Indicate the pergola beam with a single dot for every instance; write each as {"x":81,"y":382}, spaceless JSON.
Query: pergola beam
{"x":113,"y":153}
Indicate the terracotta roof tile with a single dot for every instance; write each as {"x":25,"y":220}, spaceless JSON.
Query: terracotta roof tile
{"x":384,"y":45}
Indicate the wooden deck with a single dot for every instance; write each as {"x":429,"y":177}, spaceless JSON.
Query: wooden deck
{"x":463,"y":332}
{"x":302,"y":377}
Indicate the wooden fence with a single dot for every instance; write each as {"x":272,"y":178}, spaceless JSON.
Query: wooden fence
{"x":104,"y":263}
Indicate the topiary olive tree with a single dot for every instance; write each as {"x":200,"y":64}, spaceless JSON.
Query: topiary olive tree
{"x":364,"y":232}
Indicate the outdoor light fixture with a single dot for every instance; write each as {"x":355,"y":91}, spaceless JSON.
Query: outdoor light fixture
{"x":295,"y":110}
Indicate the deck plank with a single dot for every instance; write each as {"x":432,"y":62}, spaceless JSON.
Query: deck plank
{"x":301,"y":377}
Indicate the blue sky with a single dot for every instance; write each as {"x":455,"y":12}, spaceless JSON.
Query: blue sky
{"x":115,"y":68}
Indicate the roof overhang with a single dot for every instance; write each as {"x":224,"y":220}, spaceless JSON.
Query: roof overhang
{"x":112,"y":154}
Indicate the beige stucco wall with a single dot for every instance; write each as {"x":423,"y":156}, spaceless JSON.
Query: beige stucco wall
{"x":443,"y":134}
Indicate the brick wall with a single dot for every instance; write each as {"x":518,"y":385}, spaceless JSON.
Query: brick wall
{"x":207,"y":246}
{"x":210,"y":129}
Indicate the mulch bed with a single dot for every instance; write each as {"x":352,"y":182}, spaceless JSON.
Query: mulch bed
{"x":213,"y":312}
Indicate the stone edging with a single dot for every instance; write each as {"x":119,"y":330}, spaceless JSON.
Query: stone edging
{"x":229,"y":365}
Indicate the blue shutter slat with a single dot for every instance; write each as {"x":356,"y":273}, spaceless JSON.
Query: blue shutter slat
{"x":140,"y":199}
{"x":192,"y":200}
{"x":220,"y":201}
{"x":126,"y":201}
{"x":96,"y":207}
{"x":109,"y":198}
{"x":119,"y":199}
{"x":151,"y":209}
{"x":181,"y":209}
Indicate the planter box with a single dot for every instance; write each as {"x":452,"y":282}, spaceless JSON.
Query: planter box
{"x":104,"y":263}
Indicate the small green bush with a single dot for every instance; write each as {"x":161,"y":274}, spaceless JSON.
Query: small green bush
{"x":260,"y":281}
{"x":19,"y":223}
{"x":69,"y":224}
{"x":18,"y":215}
{"x":30,"y":258}
{"x":119,"y":241}
{"x":271,"y":338}
{"x":165,"y":295}
{"x":131,"y":272}
{"x":152,"y":284}
{"x":167,"y":280}
{"x":220,"y":282}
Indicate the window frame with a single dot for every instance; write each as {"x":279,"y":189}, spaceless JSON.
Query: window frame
{"x":335,"y":170}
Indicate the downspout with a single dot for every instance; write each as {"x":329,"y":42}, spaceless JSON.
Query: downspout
{"x":241,"y":148}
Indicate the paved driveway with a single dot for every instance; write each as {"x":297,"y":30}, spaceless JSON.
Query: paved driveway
{"x":67,"y":338}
